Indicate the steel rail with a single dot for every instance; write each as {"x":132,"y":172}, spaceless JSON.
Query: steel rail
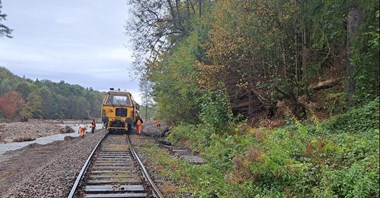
{"x":156,"y":191}
{"x":84,"y":169}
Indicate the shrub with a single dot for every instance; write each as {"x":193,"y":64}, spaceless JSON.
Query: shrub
{"x":215,"y":110}
{"x":356,"y":120}
{"x":354,"y":181}
{"x":298,"y":160}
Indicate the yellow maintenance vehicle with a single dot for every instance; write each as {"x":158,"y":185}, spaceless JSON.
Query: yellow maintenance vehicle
{"x":119,"y":110}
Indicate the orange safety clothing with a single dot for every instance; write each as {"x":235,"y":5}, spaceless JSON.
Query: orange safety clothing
{"x":82,"y":129}
{"x":158,"y":123}
{"x":139,"y":126}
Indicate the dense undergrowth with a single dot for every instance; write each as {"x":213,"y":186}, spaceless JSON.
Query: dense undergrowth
{"x":338,"y":157}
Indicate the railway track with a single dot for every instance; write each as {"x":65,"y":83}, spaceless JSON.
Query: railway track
{"x":114,"y":170}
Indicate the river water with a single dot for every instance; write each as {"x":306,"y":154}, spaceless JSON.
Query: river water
{"x":4,"y":147}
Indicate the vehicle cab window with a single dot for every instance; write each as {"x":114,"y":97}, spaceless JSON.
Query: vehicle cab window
{"x":118,"y":100}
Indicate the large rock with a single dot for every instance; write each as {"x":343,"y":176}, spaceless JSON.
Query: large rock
{"x":150,"y":129}
{"x":66,"y":129}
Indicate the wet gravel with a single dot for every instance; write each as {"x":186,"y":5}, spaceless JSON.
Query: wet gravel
{"x":45,"y":170}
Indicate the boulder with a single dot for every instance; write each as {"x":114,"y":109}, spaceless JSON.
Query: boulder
{"x":66,"y":129}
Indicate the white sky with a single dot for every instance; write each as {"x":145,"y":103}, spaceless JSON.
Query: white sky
{"x":78,"y":41}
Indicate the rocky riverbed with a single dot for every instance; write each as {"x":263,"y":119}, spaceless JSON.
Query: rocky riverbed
{"x":27,"y":131}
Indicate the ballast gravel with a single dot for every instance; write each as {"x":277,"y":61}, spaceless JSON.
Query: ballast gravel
{"x":45,"y":170}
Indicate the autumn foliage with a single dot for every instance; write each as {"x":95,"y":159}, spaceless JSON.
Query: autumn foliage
{"x":270,"y":63}
{"x":12,"y":105}
{"x":22,"y":99}
{"x":258,"y":52}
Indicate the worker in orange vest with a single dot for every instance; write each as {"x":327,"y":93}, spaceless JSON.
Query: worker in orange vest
{"x":82,"y":130}
{"x":158,"y":124}
{"x":138,"y":124}
{"x":93,"y":126}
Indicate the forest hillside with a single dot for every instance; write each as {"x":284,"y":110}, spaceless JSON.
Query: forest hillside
{"x":22,"y":98}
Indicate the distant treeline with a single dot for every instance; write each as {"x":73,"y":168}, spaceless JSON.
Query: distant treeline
{"x":21,"y":99}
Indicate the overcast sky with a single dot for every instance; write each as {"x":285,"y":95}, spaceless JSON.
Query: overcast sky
{"x":78,"y":41}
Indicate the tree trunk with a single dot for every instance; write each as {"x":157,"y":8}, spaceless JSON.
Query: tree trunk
{"x":250,"y":105}
{"x":305,"y":54}
{"x":354,"y":19}
{"x":200,"y":8}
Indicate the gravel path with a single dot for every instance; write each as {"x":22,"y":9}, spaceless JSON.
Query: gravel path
{"x":45,"y":170}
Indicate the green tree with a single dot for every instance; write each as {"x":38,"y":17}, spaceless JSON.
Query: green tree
{"x":24,"y":89}
{"x":49,"y":103}
{"x":261,"y":51}
{"x":365,"y":54}
{"x":34,"y":104}
{"x":95,"y":99}
{"x":176,"y":83}
{"x":4,"y":30}
{"x":157,"y":25}
{"x":147,"y":100}
{"x":83,"y":109}
{"x":50,"y":100}
{"x":5,"y":86}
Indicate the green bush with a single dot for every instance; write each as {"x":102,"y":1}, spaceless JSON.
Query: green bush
{"x":191,"y":136}
{"x":356,"y":120}
{"x":298,"y":160}
{"x":354,"y":181}
{"x":330,"y":170}
{"x":215,"y":111}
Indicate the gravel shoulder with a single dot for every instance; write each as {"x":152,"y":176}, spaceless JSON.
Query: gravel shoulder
{"x":45,"y":170}
{"x":50,"y":170}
